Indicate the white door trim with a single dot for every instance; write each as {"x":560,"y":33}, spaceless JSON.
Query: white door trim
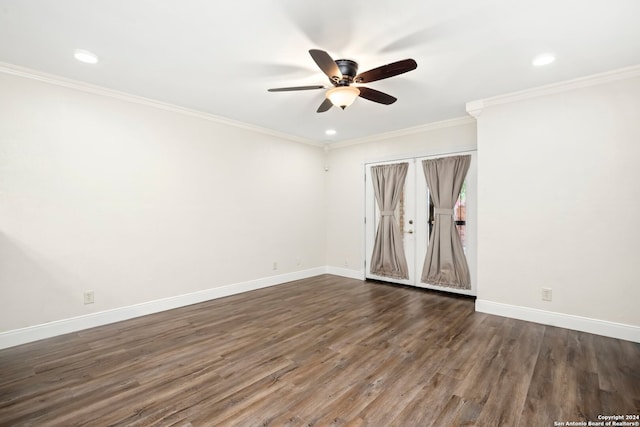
{"x":420,"y":216}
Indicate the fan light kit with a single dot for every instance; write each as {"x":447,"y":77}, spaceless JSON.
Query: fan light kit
{"x":343,"y":73}
{"x":342,"y":96}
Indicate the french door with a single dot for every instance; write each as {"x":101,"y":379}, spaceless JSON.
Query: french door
{"x":414,"y":215}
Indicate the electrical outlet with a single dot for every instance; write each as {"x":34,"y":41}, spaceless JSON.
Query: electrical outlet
{"x":298,"y":261}
{"x":275,"y":265}
{"x":88,"y":297}
{"x":546,"y":294}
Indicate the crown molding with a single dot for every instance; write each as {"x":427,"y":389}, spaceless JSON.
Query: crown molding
{"x":459,"y":121}
{"x":475,"y":108}
{"x":27,"y":73}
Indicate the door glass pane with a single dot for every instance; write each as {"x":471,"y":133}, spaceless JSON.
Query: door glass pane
{"x":400,"y":213}
{"x":459,"y":214}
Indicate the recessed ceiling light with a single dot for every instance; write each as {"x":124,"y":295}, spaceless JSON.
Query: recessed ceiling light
{"x":85,"y":56}
{"x":330,"y":132}
{"x":543,"y":59}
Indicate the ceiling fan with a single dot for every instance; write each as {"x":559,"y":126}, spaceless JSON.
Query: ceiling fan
{"x":343,"y":72}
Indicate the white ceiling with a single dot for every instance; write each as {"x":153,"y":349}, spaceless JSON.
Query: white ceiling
{"x":220,"y":57}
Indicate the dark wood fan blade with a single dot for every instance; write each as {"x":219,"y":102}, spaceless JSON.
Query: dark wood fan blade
{"x":287,"y":89}
{"x":326,"y":64}
{"x":376,"y":96}
{"x":325,"y":106}
{"x":386,"y":71}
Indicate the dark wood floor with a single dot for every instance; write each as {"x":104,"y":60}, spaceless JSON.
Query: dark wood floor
{"x":321,"y":351}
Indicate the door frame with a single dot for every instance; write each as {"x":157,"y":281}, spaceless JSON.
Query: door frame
{"x":370,"y":214}
{"x":421,"y":218}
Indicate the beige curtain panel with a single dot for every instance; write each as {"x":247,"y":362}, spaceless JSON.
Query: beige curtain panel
{"x":445,"y":263}
{"x":388,"y":257}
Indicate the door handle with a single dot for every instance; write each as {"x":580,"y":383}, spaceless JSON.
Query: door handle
{"x":410,"y":231}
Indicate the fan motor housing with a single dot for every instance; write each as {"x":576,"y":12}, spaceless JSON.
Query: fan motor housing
{"x":349,"y":70}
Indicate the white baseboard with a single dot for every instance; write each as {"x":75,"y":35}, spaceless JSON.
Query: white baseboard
{"x":568,"y":321}
{"x":346,"y":272}
{"x":65,"y":326}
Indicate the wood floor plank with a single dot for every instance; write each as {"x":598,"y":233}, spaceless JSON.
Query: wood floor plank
{"x":416,"y":369}
{"x":548,"y":388}
{"x":427,"y":404}
{"x":320,"y":351}
{"x":506,"y":398}
{"x":459,"y":412}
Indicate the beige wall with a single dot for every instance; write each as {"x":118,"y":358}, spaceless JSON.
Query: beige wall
{"x":137,"y":203}
{"x":559,"y":200}
{"x":345,"y":182}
